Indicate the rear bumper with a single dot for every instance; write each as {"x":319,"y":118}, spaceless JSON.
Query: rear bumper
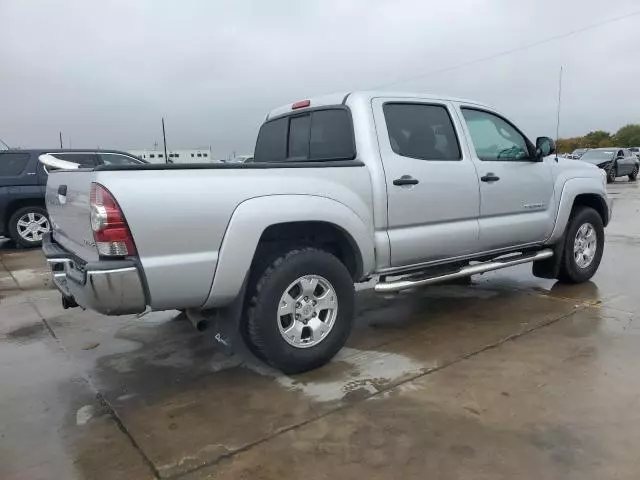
{"x":111,"y":287}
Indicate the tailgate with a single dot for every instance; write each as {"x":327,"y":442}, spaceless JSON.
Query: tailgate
{"x":67,"y":199}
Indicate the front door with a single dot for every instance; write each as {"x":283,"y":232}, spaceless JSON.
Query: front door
{"x":516,"y":189}
{"x":432,"y":186}
{"x":626,"y":162}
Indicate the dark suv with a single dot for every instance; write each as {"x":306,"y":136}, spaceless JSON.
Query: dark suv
{"x":22,"y":184}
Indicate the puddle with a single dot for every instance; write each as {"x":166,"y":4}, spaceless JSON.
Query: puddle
{"x":352,"y":375}
{"x":27,"y":333}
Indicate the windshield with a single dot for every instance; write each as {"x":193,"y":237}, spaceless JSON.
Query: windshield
{"x":598,"y":155}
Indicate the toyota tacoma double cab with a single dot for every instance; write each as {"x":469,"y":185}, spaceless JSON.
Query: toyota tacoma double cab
{"x":405,"y":189}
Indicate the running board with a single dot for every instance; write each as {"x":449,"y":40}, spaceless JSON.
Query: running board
{"x":414,"y":281}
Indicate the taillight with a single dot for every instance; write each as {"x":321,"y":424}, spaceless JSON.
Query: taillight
{"x":110,"y":230}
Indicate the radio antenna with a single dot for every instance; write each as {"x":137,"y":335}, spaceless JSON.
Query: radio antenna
{"x":559,"y":105}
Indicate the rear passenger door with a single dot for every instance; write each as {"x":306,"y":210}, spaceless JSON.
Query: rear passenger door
{"x":432,"y":186}
{"x":14,"y":169}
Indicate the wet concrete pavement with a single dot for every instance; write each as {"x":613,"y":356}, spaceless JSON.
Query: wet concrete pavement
{"x":510,"y":377}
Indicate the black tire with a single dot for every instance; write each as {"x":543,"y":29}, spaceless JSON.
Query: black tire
{"x":612,"y":174}
{"x":13,"y":225}
{"x":634,"y":174}
{"x":570,"y":271}
{"x":262,"y":329}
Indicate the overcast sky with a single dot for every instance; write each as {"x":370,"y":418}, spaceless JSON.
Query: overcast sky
{"x":106,"y":72}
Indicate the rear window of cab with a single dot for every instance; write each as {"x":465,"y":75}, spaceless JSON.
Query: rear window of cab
{"x":324,"y":134}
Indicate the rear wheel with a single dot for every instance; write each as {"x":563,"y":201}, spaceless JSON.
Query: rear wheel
{"x":584,"y":244}
{"x":27,"y":225}
{"x":634,"y":174}
{"x":300,"y":312}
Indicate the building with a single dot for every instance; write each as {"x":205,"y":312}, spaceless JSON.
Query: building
{"x":198,"y":155}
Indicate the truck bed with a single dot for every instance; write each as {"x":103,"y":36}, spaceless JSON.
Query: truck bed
{"x":178,"y":213}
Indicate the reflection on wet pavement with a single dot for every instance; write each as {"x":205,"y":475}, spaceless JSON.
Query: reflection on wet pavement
{"x":509,"y":377}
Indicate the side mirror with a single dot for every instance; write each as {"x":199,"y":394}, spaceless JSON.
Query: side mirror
{"x":544,"y":146}
{"x":48,"y":160}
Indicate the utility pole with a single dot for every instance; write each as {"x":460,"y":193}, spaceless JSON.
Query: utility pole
{"x":60,"y":139}
{"x":164,"y":138}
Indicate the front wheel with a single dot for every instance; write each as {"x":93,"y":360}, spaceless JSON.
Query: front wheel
{"x":584,"y":244}
{"x":612,"y":174}
{"x":300,"y":312}
{"x":634,"y":174}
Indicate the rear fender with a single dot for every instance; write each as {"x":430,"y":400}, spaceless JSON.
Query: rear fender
{"x":252,"y":217}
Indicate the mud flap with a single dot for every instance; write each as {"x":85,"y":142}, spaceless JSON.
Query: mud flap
{"x":226,"y":325}
{"x":550,"y":267}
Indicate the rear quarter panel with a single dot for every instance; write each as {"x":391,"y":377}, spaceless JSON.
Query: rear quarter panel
{"x":178,"y":218}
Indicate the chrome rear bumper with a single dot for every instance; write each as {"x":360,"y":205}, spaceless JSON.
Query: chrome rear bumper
{"x":111,"y":287}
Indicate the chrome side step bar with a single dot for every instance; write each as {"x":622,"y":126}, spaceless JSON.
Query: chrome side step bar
{"x":416,"y":281}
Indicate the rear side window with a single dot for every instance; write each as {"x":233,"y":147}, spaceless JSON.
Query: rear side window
{"x":13,"y":164}
{"x":421,"y":131}
{"x":319,"y":135}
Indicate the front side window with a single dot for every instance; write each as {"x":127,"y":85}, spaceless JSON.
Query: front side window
{"x":421,"y":131}
{"x":12,"y":164}
{"x":494,"y":139}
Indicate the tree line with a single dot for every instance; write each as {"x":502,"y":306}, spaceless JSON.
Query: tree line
{"x":627,"y":136}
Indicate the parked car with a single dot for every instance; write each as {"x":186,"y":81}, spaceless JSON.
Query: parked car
{"x":617,"y":162}
{"x":22,"y":186}
{"x":404,"y":189}
{"x":635,"y":151}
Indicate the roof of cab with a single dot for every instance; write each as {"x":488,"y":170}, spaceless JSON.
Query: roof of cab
{"x":341,"y":98}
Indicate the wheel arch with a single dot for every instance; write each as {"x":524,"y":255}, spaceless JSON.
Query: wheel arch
{"x":579,"y":191}
{"x":287,"y":220}
{"x":594,"y":201}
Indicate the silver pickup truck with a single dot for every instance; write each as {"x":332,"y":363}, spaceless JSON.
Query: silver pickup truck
{"x":405,"y":189}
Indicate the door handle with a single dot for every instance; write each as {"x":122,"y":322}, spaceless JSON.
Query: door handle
{"x":406,"y":180}
{"x":62,"y":190}
{"x":490,"y":177}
